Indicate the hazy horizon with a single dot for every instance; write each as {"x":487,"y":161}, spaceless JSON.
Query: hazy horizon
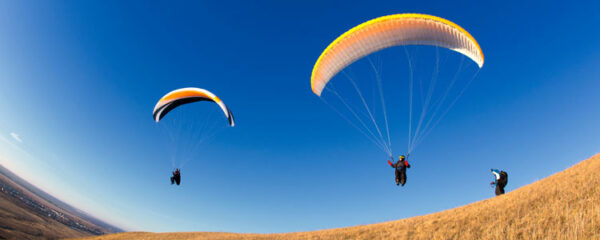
{"x":80,"y":80}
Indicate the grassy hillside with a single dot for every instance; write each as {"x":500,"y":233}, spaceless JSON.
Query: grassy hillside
{"x":19,"y":220}
{"x":565,"y":205}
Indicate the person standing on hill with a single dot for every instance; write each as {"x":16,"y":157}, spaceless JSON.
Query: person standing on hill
{"x":400,"y":167}
{"x":501,"y":179}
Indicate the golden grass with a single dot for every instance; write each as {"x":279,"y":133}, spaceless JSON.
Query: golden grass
{"x":19,"y":221}
{"x":565,"y":205}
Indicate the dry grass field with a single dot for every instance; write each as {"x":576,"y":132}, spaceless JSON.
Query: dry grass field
{"x":565,"y":205}
{"x":20,"y":221}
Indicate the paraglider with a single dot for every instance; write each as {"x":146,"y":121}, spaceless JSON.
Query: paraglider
{"x":378,"y":34}
{"x":177,"y":98}
{"x":176,"y":178}
{"x":500,"y":180}
{"x":401,"y":165}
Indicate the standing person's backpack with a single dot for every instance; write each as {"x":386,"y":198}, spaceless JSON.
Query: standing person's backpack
{"x":503,"y":178}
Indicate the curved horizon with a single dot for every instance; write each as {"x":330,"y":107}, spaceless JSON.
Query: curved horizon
{"x":79,"y":80}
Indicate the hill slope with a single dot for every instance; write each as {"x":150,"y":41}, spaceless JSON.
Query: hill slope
{"x":565,"y":205}
{"x":27,"y":212}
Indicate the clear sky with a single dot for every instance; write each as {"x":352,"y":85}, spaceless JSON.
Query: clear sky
{"x":79,"y":80}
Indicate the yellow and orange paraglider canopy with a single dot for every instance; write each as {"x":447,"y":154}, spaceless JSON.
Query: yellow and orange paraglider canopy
{"x":388,"y":31}
{"x":182,"y":96}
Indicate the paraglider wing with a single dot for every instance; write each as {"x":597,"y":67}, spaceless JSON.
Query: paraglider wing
{"x":388,"y":31}
{"x":183,"y":96}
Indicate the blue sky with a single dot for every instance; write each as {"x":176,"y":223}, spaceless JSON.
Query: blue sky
{"x":80,"y":78}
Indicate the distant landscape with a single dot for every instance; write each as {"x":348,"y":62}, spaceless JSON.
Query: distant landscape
{"x":27,"y":212}
{"x":565,"y":205}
